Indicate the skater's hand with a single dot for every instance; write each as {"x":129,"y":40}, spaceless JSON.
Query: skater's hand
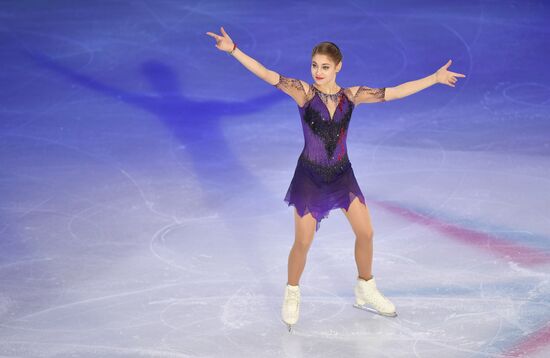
{"x":223,"y":42}
{"x":447,"y":77}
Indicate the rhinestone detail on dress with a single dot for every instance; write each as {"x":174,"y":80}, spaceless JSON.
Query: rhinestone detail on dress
{"x":328,"y":172}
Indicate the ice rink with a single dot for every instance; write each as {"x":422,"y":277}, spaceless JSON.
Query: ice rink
{"x":143,"y":173}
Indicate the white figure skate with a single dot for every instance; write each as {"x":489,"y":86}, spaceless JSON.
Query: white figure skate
{"x":291,"y":305}
{"x":368,"y":298}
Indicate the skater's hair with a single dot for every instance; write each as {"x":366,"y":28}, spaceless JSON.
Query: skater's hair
{"x":329,"y":49}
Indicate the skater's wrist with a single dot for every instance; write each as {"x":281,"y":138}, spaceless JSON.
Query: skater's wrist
{"x":233,"y":50}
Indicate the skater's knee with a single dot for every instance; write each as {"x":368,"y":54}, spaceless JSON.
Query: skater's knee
{"x":302,"y":243}
{"x":364,"y":235}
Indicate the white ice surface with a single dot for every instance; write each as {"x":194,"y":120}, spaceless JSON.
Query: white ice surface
{"x":144,"y":217}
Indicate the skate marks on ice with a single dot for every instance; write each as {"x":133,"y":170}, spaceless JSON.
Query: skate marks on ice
{"x":439,"y":326}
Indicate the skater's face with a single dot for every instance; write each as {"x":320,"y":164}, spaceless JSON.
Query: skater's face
{"x":323,"y":69}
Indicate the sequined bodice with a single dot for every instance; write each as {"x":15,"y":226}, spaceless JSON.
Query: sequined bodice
{"x":329,"y":99}
{"x":325,"y":133}
{"x":325,"y":136}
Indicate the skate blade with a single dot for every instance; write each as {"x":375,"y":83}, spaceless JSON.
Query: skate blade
{"x":288,"y":325}
{"x":370,"y":309}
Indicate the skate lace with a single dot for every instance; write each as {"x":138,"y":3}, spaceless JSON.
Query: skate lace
{"x":293,"y":296}
{"x":374,"y":295}
{"x":379,"y":298}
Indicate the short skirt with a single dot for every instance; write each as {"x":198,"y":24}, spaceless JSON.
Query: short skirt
{"x":318,"y":190}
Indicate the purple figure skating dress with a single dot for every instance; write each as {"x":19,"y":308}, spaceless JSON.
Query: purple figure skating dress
{"x":324,"y":179}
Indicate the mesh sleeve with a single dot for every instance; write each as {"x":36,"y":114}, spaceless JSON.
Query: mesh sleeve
{"x":369,"y":95}
{"x":293,"y":87}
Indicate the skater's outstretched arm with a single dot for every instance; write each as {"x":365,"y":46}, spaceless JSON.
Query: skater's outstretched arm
{"x":291,"y":86}
{"x":365,"y":94}
{"x":442,"y":75}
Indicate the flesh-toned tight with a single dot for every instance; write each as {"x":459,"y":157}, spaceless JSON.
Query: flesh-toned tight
{"x":304,"y":229}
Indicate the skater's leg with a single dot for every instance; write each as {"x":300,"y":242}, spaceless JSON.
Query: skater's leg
{"x":367,"y":295}
{"x":304,"y":229}
{"x":359,"y":218}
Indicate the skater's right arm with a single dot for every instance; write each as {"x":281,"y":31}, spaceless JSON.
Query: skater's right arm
{"x":291,"y":86}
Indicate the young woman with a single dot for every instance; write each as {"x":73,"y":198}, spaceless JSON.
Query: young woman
{"x":323,"y":179}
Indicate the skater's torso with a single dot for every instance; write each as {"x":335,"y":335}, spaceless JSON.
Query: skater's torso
{"x":325,"y":132}
{"x":325,"y":120}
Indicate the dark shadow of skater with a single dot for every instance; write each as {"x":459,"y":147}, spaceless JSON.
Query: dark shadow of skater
{"x":195,"y":124}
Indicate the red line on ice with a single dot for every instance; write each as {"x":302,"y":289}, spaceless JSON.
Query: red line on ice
{"x":520,"y":254}
{"x":530,"y":343}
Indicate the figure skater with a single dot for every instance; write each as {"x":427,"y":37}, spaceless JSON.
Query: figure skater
{"x":323,"y":179}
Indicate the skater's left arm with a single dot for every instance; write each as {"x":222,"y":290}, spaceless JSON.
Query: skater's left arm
{"x":443,"y":76}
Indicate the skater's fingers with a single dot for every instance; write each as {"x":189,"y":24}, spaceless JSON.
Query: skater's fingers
{"x":225,"y":35}
{"x":217,"y":37}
